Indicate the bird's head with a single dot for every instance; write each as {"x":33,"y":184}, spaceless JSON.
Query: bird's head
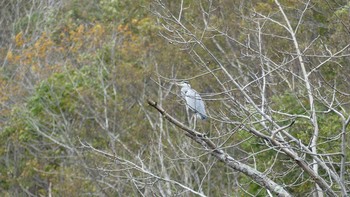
{"x":183,"y":84}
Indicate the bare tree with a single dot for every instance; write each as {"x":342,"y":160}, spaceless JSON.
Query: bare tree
{"x":249,"y":73}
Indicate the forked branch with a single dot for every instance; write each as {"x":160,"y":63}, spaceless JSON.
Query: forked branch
{"x":221,"y":155}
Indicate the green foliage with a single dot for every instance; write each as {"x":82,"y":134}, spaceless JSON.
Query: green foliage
{"x":55,"y":94}
{"x":110,"y":8}
{"x":290,"y":102}
{"x":75,"y":11}
{"x":343,"y":11}
{"x":28,"y":21}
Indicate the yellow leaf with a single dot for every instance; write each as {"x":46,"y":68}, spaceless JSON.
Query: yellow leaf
{"x":9,"y":56}
{"x":19,"y":39}
{"x":80,"y":29}
{"x":134,"y":21}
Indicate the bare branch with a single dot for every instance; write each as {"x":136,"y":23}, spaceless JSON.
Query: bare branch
{"x":203,"y":140}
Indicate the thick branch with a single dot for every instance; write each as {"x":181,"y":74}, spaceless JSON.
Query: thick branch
{"x":301,"y":162}
{"x":203,"y":140}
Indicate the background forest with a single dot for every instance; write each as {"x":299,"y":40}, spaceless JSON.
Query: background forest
{"x":75,"y":77}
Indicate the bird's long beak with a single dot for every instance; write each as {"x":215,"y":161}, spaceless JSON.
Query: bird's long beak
{"x":182,"y":84}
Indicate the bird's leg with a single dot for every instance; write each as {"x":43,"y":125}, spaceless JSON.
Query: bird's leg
{"x":194,"y":121}
{"x":190,"y":121}
{"x":188,"y":116}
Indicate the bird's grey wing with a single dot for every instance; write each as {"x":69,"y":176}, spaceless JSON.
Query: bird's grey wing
{"x":200,"y":107}
{"x":195,"y":102}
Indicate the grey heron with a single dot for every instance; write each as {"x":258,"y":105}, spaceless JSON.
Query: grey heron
{"x":193,"y":100}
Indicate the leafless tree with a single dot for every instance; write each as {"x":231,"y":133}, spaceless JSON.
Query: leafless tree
{"x":247,"y":76}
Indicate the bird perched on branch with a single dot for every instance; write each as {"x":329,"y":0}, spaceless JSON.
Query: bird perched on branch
{"x":193,"y":100}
